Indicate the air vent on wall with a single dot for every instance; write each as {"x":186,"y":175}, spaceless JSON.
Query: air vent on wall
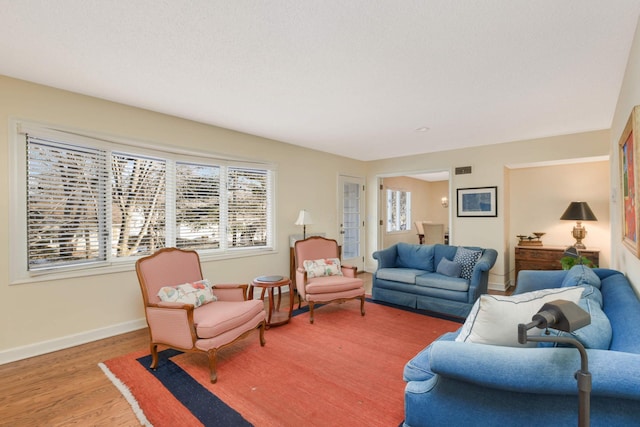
{"x":463,"y":170}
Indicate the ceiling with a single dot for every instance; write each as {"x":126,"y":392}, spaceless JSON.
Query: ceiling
{"x":357,"y":78}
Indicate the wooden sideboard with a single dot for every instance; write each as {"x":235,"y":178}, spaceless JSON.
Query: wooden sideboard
{"x":547,"y":257}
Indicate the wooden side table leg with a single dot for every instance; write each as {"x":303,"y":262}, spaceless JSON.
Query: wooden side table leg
{"x":270,"y":306}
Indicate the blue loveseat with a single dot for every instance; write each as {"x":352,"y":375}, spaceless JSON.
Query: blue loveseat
{"x":463,"y":383}
{"x":408,"y":275}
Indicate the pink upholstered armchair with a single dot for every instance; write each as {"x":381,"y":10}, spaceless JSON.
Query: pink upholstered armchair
{"x":322,"y":280}
{"x":183,"y":326}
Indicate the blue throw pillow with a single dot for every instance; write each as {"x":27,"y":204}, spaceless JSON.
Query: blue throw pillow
{"x":449,"y":268}
{"x":581,"y":275}
{"x":595,"y":335}
{"x":467,"y":258}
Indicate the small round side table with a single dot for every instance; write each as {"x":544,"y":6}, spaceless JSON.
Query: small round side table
{"x":275,"y":317}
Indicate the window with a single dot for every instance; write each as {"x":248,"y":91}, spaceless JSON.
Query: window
{"x":90,"y":203}
{"x":398,"y":210}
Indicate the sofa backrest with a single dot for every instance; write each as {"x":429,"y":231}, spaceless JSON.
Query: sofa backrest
{"x":622,"y":307}
{"x":415,"y":256}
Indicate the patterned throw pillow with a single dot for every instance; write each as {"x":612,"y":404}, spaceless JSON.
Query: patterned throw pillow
{"x":322,"y":267}
{"x":467,"y":258}
{"x":196,"y":293}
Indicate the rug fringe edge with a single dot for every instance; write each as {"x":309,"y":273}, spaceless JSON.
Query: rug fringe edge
{"x":126,"y":393}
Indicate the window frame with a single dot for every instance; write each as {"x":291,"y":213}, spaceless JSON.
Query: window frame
{"x":19,"y":272}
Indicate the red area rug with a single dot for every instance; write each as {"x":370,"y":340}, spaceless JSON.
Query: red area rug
{"x":344,"y":369}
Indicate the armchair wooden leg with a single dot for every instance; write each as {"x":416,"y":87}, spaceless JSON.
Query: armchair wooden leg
{"x":154,"y":356}
{"x":362,"y":305}
{"x":262,"y":327}
{"x":213,"y":360}
{"x":311,"y":311}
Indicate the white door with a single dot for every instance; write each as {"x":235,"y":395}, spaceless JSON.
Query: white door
{"x":351,"y":220}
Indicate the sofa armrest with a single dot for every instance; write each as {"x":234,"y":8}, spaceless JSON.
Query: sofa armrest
{"x":230,"y":292}
{"x":172,"y":325}
{"x":534,"y":280}
{"x":386,"y":257}
{"x":536,"y":370}
{"x":479,"y":282}
{"x":349,"y":270}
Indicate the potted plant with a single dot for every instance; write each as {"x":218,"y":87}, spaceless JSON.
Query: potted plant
{"x":569,"y":261}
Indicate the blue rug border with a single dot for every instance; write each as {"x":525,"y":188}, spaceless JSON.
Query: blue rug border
{"x":208,"y":408}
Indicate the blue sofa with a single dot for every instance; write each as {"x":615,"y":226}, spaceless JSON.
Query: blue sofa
{"x":407,"y":276}
{"x":462,"y":383}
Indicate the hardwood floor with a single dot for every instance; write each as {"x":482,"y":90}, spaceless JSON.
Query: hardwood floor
{"x":68,"y":388}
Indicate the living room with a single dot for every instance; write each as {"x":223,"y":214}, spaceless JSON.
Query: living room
{"x":45,"y":314}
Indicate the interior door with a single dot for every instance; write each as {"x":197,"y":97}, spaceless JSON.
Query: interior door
{"x":351,"y":216}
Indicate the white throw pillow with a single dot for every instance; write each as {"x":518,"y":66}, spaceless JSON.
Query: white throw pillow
{"x":322,"y":267}
{"x":196,"y":293}
{"x":494,"y":319}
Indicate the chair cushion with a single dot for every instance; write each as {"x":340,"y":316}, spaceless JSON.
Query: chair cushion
{"x":332,"y":284}
{"x":219,"y":317}
{"x":467,"y":259}
{"x":449,"y":268}
{"x":494,"y":319}
{"x":322,"y":267}
{"x":403,"y":275}
{"x":196,"y":293}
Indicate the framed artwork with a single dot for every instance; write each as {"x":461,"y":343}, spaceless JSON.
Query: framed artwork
{"x":478,"y":202}
{"x":628,"y":155}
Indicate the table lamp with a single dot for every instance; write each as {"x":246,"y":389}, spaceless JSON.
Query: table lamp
{"x":304,"y":218}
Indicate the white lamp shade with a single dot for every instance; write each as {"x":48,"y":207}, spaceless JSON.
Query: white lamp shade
{"x":303,"y":218}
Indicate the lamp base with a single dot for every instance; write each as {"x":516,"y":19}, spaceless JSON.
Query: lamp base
{"x":579,"y":233}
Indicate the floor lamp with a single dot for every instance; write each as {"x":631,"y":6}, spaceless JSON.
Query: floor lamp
{"x":564,"y":316}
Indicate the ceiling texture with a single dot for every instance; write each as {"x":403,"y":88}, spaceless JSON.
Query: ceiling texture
{"x":365,"y":79}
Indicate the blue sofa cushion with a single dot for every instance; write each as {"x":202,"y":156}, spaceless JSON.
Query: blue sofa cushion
{"x":467,"y":259}
{"x":419,"y":257}
{"x":581,"y":275}
{"x":440,"y":281}
{"x":449,"y":268}
{"x":595,"y":335}
{"x":402,"y":275}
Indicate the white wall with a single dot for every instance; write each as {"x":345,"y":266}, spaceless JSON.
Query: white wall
{"x":44,"y":315}
{"x":621,"y":258}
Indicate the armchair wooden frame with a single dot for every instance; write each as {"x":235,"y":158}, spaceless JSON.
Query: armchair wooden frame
{"x":172,"y":323}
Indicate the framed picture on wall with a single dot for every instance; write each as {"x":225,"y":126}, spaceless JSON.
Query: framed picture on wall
{"x":477,"y":202}
{"x":629,"y":182}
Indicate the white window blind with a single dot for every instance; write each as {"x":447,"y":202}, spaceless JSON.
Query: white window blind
{"x":248,"y":213}
{"x":197,"y":206}
{"x":66,"y":211}
{"x":138,"y":203}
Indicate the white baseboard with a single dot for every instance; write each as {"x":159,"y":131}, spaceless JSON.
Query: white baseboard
{"x":43,"y":347}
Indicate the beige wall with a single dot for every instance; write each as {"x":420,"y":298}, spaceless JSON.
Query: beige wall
{"x":44,"y":315}
{"x":539,"y":196}
{"x":488,"y":169}
{"x":425,"y":206}
{"x":621,"y":258}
